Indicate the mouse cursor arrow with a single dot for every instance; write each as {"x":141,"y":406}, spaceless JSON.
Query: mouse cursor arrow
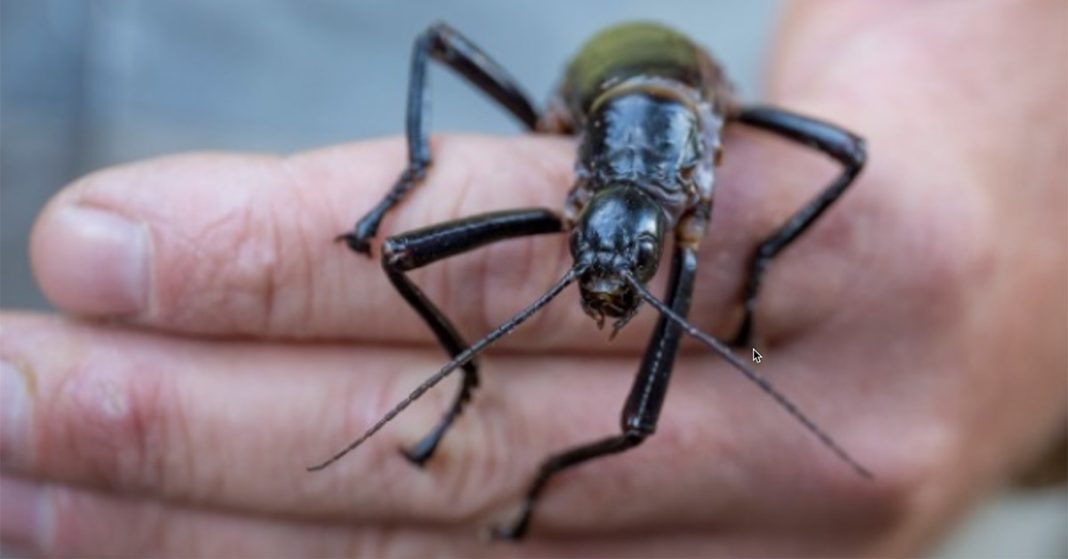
{"x":757,"y":357}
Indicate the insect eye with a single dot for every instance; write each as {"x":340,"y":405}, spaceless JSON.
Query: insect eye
{"x":576,"y":242}
{"x":646,"y":254}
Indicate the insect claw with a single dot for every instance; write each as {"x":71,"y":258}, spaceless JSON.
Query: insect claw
{"x":647,"y":107}
{"x":499,"y":534}
{"x":416,"y":456}
{"x":355,"y":242}
{"x":419,"y":453}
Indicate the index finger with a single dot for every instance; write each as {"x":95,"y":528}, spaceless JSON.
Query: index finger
{"x":242,"y":244}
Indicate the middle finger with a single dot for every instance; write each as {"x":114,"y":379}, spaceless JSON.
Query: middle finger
{"x":242,"y":244}
{"x":233,"y":425}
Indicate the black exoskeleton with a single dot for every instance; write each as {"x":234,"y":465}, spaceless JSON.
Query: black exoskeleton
{"x":649,"y":107}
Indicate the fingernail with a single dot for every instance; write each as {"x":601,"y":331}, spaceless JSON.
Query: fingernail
{"x":25,"y":514}
{"x":14,"y":415}
{"x":93,"y":261}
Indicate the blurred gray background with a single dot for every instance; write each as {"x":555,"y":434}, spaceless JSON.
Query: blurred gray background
{"x":84,"y":85}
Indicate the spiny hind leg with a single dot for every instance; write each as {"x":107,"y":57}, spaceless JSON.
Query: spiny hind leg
{"x":447,"y":46}
{"x":408,"y":251}
{"x":845,"y":147}
{"x":642,"y":408}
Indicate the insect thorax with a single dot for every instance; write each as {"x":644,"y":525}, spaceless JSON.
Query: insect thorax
{"x":654,"y":134}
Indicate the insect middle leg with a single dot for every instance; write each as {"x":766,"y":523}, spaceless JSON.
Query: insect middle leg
{"x":446,"y":45}
{"x":408,"y":251}
{"x":642,"y":408}
{"x":845,"y":147}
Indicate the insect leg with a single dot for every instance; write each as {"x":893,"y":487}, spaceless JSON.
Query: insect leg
{"x":408,"y":251}
{"x":447,"y":46}
{"x":847,"y":148}
{"x":642,"y":409}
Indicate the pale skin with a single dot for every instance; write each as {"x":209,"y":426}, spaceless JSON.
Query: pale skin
{"x":174,"y":405}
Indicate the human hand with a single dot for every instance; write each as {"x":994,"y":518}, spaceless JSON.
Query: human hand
{"x":242,"y":345}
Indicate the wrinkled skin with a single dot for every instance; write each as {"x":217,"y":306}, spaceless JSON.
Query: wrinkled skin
{"x":921,"y":322}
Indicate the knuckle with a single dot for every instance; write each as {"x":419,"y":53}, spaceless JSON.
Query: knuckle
{"x":218,"y":270}
{"x":945,"y":259}
{"x":242,"y":269}
{"x":477,"y":464}
{"x":108,"y":423}
{"x":514,"y":274}
{"x":452,"y":175}
{"x":479,"y":289}
{"x":909,"y":484}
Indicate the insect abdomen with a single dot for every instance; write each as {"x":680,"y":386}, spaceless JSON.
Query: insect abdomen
{"x":638,"y":50}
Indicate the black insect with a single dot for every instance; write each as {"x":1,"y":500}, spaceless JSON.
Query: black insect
{"x":649,"y":107}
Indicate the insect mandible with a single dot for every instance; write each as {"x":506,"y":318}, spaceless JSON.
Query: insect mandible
{"x":649,"y":107}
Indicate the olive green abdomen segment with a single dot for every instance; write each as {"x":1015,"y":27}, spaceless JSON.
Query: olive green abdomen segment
{"x":634,"y":49}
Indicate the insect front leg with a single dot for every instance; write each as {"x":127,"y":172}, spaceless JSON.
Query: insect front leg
{"x":447,"y":46}
{"x":847,"y":148}
{"x":408,"y":251}
{"x":642,"y":408}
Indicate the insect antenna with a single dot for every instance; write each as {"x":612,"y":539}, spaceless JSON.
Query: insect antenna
{"x":460,"y":360}
{"x":764,"y":384}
